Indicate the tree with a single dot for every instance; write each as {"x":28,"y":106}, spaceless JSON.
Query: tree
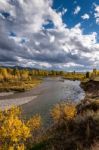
{"x":61,"y":73}
{"x":87,"y":75}
{"x":94,"y":71}
{"x":16,"y":73}
{"x":4,"y":73}
{"x":24,"y":74}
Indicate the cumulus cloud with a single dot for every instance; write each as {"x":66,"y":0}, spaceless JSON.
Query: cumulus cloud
{"x":85,"y":16}
{"x":24,"y":40}
{"x":77,"y":10}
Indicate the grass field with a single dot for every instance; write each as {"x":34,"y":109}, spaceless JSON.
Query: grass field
{"x":19,"y":86}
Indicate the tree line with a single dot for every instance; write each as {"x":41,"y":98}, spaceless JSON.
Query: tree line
{"x":92,"y":74}
{"x":7,"y":74}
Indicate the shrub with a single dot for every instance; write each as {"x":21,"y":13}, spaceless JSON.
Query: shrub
{"x":63,"y":111}
{"x":14,"y":132}
{"x":74,"y":131}
{"x":34,"y":123}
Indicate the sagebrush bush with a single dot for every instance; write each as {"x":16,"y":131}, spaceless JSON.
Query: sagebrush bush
{"x":72,"y":130}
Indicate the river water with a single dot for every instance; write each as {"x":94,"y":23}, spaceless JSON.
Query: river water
{"x":47,"y":94}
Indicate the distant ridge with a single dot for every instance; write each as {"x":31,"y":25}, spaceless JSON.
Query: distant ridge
{"x":19,"y":67}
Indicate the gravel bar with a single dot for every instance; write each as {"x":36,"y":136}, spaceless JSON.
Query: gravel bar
{"x":7,"y":104}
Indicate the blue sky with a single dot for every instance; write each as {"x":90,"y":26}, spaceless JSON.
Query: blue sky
{"x":50,"y":34}
{"x":87,"y":6}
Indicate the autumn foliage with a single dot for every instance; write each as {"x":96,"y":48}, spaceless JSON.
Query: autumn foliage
{"x":63,"y":111}
{"x":74,"y":127}
{"x":14,"y":131}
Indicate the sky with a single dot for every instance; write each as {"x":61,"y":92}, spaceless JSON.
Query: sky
{"x":50,"y":34}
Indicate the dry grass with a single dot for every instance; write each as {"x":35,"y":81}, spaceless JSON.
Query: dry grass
{"x":18,"y":85}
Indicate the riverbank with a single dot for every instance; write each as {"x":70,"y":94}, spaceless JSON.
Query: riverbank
{"x":9,"y":103}
{"x":50,"y":92}
{"x":73,"y":127}
{"x":18,"y":85}
{"x":91,"y":88}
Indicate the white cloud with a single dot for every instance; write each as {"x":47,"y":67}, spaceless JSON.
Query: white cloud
{"x":55,"y":48}
{"x":32,"y":14}
{"x":56,"y":18}
{"x":97,"y":10}
{"x":6,"y":7}
{"x":96,"y":14}
{"x":85,"y":16}
{"x":77,"y":10}
{"x":97,"y":21}
{"x":64,"y":11}
{"x":52,"y":39}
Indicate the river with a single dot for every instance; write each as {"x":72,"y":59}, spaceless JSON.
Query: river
{"x":42,"y":98}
